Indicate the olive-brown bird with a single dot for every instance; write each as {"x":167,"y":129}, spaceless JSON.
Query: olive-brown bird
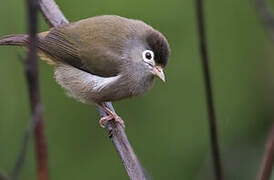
{"x":104,"y":58}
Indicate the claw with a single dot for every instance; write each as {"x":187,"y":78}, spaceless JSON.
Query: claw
{"x":116,"y":118}
{"x":111,"y":116}
{"x":104,"y":119}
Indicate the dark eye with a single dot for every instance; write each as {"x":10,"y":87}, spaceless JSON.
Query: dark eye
{"x":148,"y":55}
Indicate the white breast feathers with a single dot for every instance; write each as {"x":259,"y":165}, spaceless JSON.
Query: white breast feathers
{"x":80,"y":84}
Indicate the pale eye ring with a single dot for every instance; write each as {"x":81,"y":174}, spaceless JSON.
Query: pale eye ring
{"x":148,"y":55}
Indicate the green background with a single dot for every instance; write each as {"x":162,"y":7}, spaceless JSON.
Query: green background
{"x":168,"y":126}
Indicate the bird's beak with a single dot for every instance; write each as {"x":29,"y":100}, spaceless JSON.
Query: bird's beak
{"x":158,"y":71}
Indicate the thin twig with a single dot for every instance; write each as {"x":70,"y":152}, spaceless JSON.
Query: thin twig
{"x":266,"y":167}
{"x":268,"y":158}
{"x":31,"y":70}
{"x":209,"y":93}
{"x":27,"y":135}
{"x":116,"y":133}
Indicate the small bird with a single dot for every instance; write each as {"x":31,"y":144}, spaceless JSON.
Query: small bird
{"x":103,"y":58}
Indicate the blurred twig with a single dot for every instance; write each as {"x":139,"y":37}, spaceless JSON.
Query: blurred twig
{"x":22,"y":155}
{"x":31,"y":70}
{"x":209,"y":93}
{"x":268,"y":158}
{"x":55,"y":17}
{"x":266,"y":167}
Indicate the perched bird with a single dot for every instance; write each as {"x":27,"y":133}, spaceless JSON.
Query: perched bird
{"x":103,"y":58}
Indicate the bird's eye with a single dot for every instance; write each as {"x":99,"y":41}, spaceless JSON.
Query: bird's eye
{"x":148,"y":55}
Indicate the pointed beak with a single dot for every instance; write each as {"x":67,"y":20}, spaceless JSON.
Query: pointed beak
{"x":158,"y":71}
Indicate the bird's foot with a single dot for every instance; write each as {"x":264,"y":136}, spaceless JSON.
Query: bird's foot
{"x":110,"y":117}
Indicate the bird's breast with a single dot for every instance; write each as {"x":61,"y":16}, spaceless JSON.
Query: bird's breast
{"x":89,"y":88}
{"x":81,"y":85}
{"x":132,"y":84}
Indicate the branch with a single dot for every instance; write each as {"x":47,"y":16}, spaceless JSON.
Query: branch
{"x":119,"y":138}
{"x":52,"y":14}
{"x":31,"y":71}
{"x":116,"y":133}
{"x":209,"y":93}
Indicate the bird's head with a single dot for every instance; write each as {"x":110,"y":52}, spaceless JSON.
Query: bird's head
{"x":155,"y":54}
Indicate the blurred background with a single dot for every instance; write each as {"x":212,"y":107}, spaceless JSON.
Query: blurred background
{"x":168,"y":126}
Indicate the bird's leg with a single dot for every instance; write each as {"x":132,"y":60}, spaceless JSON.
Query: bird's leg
{"x":111,"y":115}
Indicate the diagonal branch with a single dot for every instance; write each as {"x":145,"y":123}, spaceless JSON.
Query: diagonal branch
{"x":119,"y":138}
{"x":22,"y":155}
{"x":55,"y":17}
{"x":209,"y":93}
{"x":52,"y":14}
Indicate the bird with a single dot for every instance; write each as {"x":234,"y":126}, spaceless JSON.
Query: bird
{"x":102,"y":58}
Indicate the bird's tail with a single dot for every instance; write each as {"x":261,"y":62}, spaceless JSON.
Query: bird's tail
{"x":22,"y":40}
{"x":14,"y":40}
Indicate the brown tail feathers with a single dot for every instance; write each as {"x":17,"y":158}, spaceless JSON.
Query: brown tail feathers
{"x":22,"y":40}
{"x":14,"y":40}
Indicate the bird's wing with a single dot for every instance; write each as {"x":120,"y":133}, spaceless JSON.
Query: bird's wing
{"x":86,"y":46}
{"x":58,"y":48}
